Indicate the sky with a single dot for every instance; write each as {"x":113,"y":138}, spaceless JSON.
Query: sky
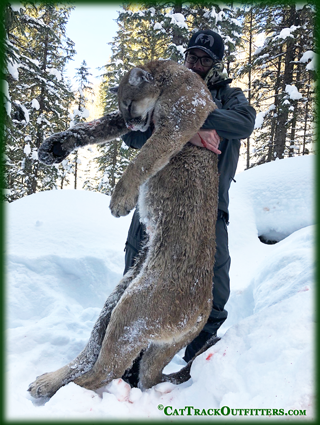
{"x":91,"y":27}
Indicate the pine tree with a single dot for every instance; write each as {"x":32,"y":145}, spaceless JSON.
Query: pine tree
{"x":246,"y":73}
{"x":80,"y":113}
{"x":137,"y":41}
{"x":282,"y":82}
{"x":113,"y":157}
{"x":15,"y":21}
{"x":38,"y":94}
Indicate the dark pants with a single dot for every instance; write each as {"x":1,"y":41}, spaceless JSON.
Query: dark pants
{"x":221,"y":280}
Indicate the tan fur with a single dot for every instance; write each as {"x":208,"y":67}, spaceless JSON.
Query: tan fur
{"x":165,"y":300}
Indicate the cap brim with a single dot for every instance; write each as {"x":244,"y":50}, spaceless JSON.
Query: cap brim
{"x":212,"y":56}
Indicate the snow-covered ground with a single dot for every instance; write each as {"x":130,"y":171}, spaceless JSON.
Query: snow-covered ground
{"x":65,"y":255}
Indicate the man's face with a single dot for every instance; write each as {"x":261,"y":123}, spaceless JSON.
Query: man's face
{"x":198,"y":68}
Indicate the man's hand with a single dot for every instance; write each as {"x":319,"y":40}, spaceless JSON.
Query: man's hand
{"x":208,"y":139}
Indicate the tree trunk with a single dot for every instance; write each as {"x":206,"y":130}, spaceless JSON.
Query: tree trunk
{"x":282,"y":124}
{"x":177,"y":39}
{"x":249,"y":79}
{"x":75,"y":170}
{"x":306,"y":119}
{"x":274,"y":120}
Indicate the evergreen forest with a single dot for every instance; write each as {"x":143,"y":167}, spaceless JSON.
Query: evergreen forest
{"x":270,"y":53}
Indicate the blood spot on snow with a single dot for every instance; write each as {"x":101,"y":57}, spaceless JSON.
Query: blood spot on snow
{"x":209,"y":356}
{"x":306,"y":288}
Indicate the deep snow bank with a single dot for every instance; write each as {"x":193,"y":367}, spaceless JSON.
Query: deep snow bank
{"x":276,"y":189}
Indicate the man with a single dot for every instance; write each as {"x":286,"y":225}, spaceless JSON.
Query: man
{"x":221,"y":133}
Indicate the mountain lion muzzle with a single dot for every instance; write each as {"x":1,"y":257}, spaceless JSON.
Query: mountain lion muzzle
{"x":164,"y":301}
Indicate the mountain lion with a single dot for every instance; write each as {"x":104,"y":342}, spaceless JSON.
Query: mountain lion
{"x":164,"y":301}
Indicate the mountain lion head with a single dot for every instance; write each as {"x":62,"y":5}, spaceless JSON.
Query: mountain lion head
{"x":137,"y":96}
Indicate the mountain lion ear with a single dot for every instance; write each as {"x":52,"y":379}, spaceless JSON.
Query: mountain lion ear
{"x":138,"y":75}
{"x":114,"y":89}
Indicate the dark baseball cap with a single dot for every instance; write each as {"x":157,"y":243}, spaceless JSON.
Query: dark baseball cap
{"x":208,"y":41}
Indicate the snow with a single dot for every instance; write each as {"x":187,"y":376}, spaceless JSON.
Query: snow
{"x":13,"y":70}
{"x":34,"y":61}
{"x":34,"y":154}
{"x":286,"y":32}
{"x":55,"y":72}
{"x":27,"y":149}
{"x":178,"y":19}
{"x":83,"y":113}
{"x":16,"y":7}
{"x":7,"y":98}
{"x":259,"y":119}
{"x":258,"y":50}
{"x":180,"y":48}
{"x":26,"y":113}
{"x":157,"y":26}
{"x":65,"y":255}
{"x":35,"y":104}
{"x":152,"y":10}
{"x":293,"y":92}
{"x":217,"y":16}
{"x":312,"y":66}
{"x":260,"y":116}
{"x":309,"y":55}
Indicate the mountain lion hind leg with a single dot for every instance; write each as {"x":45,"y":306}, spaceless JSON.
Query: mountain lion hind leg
{"x":183,"y":374}
{"x":157,"y":356}
{"x":48,"y":384}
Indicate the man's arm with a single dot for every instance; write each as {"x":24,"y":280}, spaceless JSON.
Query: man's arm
{"x":235,"y":120}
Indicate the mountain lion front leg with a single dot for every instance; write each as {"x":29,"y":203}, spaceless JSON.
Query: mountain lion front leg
{"x":58,"y":146}
{"x":154,"y":155}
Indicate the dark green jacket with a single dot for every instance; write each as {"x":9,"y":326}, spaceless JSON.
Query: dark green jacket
{"x":233,"y":120}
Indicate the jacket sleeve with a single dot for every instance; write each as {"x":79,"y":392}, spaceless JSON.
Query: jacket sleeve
{"x":236,"y":118}
{"x":136,"y":139}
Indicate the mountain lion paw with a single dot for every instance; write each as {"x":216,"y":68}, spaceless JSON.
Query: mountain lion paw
{"x":53,"y":150}
{"x":122,"y":200}
{"x":45,"y":385}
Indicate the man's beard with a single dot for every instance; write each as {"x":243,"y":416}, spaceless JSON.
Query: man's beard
{"x":202,"y":74}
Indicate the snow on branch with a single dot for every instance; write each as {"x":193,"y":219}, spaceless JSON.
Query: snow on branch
{"x":55,"y":73}
{"x":309,"y":55}
{"x":293,"y":92}
{"x":286,"y":32}
{"x":260,"y":116}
